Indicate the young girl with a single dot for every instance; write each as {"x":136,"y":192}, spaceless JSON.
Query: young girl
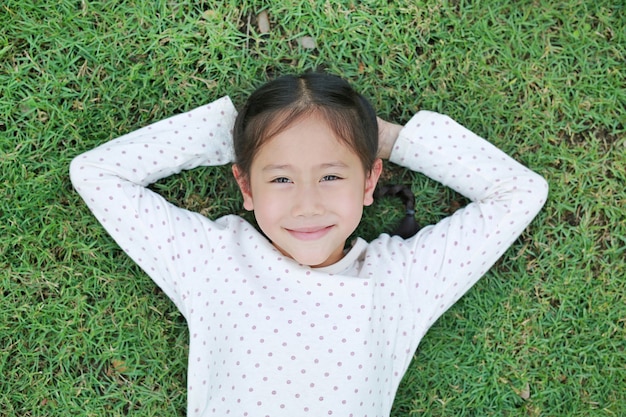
{"x":285,"y":320}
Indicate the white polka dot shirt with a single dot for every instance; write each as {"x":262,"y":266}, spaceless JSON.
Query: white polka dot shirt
{"x":270,"y":337}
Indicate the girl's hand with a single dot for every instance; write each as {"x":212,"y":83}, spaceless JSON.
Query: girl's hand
{"x":387,"y":135}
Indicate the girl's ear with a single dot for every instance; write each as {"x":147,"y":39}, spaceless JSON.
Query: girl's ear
{"x":244,"y":185}
{"x":371,"y":181}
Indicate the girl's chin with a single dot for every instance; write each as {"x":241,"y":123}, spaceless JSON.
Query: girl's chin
{"x":321,"y":261}
{"x":313,"y":261}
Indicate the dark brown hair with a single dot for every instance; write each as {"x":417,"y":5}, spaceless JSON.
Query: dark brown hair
{"x":408,"y":226}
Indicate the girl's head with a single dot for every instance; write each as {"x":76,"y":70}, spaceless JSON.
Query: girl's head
{"x":305,"y":161}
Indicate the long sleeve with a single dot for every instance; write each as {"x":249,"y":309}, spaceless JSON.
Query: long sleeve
{"x":447,"y":258}
{"x":113,"y":177}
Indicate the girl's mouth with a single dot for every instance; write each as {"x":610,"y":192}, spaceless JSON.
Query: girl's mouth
{"x":309,"y":233}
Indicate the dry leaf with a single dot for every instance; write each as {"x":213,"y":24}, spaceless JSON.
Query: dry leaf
{"x":307,"y":42}
{"x":525,"y":393}
{"x":209,"y":14}
{"x":263,"y":22}
{"x":119,"y":366}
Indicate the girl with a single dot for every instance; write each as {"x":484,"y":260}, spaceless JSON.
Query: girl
{"x":287,"y":321}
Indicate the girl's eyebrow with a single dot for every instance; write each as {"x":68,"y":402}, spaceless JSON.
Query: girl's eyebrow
{"x":335,"y":164}
{"x":276,"y":167}
{"x":286,"y":167}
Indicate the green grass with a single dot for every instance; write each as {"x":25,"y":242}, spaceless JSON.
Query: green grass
{"x":84,"y":332}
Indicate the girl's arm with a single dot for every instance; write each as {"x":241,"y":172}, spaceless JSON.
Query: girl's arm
{"x":113,"y":177}
{"x":449,"y":257}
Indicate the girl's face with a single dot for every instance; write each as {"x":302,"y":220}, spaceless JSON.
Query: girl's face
{"x":307,"y":190}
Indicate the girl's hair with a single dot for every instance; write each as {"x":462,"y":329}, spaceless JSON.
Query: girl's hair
{"x":408,"y":225}
{"x":274,"y":106}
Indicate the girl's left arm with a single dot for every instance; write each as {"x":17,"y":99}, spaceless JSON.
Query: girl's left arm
{"x":449,"y":257}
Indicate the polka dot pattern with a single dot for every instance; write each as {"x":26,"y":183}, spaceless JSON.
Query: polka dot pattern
{"x":270,"y":337}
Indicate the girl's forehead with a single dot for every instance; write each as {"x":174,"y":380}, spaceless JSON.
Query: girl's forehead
{"x":308,"y":127}
{"x":311,"y":134}
{"x":309,"y":142}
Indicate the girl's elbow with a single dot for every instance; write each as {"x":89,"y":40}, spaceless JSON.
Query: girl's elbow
{"x":539,"y":192}
{"x":80,"y":171}
{"x":543,"y":189}
{"x":75,"y":170}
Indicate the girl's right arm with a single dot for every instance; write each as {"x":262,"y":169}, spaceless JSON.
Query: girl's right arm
{"x":113,"y":180}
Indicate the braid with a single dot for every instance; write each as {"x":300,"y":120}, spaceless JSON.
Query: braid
{"x":408,"y":227}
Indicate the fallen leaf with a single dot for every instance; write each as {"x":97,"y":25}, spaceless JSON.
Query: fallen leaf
{"x":209,"y":14}
{"x":263,"y":22}
{"x":454,"y":206}
{"x":525,"y":392}
{"x":119,"y":366}
{"x":307,"y":42}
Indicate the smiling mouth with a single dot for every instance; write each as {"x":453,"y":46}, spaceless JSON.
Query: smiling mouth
{"x":309,"y":233}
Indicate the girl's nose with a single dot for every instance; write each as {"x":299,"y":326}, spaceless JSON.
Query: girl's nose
{"x":308,"y":201}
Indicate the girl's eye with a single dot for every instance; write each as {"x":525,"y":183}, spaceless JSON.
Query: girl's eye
{"x":281,"y":180}
{"x":330,"y":178}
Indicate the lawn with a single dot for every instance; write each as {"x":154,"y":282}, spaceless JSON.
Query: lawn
{"x":84,"y":332}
